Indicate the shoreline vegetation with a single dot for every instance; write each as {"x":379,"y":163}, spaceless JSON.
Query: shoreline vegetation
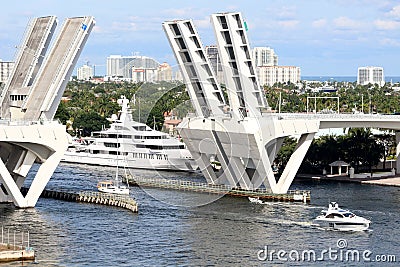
{"x":86,"y":105}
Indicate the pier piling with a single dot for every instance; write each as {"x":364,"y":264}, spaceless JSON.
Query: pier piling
{"x":115,"y":200}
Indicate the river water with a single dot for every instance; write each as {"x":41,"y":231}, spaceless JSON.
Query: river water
{"x":176,"y":228}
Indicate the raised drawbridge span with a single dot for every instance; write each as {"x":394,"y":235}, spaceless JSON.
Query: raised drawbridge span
{"x":29,"y":102}
{"x":242,"y":135}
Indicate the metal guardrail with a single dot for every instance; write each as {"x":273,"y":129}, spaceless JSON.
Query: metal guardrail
{"x":330,"y":116}
{"x":8,"y":122}
{"x":197,"y":186}
{"x":13,"y":240}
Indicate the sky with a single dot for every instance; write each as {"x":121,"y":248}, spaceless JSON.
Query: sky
{"x":323,"y":38}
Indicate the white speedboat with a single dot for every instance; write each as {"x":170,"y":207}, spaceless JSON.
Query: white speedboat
{"x":256,"y":200}
{"x":112,"y":188}
{"x":336,"y":218}
{"x":134,"y":144}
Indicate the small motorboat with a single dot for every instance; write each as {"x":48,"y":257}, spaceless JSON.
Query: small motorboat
{"x":111,"y":187}
{"x":336,"y":218}
{"x":256,"y":200}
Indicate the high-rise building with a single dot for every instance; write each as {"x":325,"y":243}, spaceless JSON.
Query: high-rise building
{"x":85,"y":73}
{"x":164,"y":72}
{"x":269,"y":75}
{"x":143,"y":75}
{"x":370,"y":75}
{"x":264,"y":56}
{"x":120,"y":67}
{"x":5,"y":70}
{"x":215,"y":61}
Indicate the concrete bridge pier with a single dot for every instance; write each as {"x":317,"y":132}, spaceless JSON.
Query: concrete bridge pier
{"x":20,"y":148}
{"x":246,"y":149}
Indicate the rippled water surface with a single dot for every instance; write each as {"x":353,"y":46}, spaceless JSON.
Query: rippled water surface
{"x":187,"y":229}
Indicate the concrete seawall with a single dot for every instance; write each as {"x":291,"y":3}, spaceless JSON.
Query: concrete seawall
{"x":374,"y":180}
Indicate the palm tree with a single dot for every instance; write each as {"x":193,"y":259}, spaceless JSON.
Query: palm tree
{"x":362,"y":149}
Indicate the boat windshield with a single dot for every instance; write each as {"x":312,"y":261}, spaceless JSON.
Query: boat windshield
{"x":348,"y":214}
{"x":334,"y":215}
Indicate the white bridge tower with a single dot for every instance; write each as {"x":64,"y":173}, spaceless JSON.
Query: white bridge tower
{"x":29,"y":101}
{"x":240,"y":132}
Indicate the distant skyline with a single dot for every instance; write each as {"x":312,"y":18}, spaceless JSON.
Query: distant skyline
{"x":323,"y":38}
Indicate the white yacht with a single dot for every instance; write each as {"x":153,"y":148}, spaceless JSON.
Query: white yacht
{"x":130,"y":144}
{"x":339,"y":219}
{"x":112,"y":187}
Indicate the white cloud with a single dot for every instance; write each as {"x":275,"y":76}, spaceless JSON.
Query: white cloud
{"x":346,"y":23}
{"x":390,"y":42}
{"x":394,"y":12}
{"x":286,"y":12}
{"x":124,"y":26}
{"x":183,"y":12}
{"x":202,"y":23}
{"x":386,"y":24}
{"x":288,"y":23}
{"x":97,"y":29}
{"x":319,"y":23}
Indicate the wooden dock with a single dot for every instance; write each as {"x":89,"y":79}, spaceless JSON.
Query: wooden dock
{"x":182,"y":185}
{"x":108,"y":199}
{"x":15,"y":253}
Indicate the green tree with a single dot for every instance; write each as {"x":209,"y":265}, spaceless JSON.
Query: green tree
{"x":62,"y":113}
{"x":283,"y":156}
{"x":362,"y":149}
{"x":86,"y":123}
{"x":323,"y":151}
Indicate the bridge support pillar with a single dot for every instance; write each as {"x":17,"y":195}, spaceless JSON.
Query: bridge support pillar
{"x":294,"y":163}
{"x":20,"y":148}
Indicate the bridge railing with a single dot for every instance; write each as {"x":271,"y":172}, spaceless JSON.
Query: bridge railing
{"x":221,"y":188}
{"x":8,"y":122}
{"x":331,"y":116}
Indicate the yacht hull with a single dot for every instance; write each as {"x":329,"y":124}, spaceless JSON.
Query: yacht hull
{"x":173,"y":164}
{"x":342,"y":225}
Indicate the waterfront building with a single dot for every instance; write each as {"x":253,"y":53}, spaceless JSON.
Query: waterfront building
{"x":269,"y":75}
{"x":266,"y":63}
{"x":264,"y":56}
{"x":85,"y":73}
{"x":370,"y":75}
{"x":121,"y":67}
{"x":5,"y":70}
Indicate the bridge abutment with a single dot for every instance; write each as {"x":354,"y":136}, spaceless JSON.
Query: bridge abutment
{"x":44,"y":144}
